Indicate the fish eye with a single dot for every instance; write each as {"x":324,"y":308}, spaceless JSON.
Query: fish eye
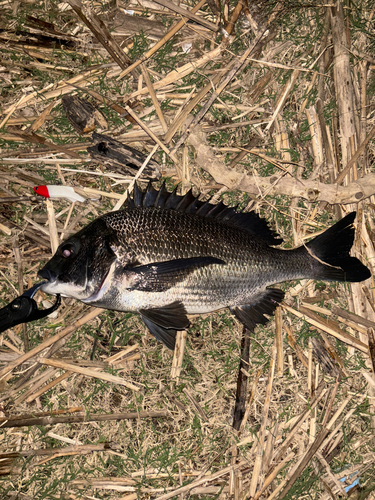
{"x":67,"y":251}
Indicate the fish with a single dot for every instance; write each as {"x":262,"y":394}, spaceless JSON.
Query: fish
{"x":166,"y":256}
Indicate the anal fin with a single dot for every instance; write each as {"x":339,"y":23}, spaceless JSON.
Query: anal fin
{"x":252,"y":314}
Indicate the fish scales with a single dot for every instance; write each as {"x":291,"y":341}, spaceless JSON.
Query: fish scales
{"x":157,"y":235}
{"x":166,"y":256}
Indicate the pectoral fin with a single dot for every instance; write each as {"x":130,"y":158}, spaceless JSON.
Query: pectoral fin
{"x":252,"y":314}
{"x":163,"y":322}
{"x":160,"y":276}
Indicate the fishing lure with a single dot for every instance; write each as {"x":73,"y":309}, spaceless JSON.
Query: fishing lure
{"x":56,"y":191}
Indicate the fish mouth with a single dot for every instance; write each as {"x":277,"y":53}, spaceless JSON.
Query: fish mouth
{"x":48,"y":275}
{"x":102,"y":288}
{"x":55,"y":286}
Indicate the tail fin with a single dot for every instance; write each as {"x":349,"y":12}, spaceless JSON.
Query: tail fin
{"x":330,"y":250}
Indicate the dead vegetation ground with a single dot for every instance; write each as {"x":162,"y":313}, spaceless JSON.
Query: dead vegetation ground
{"x":280,"y":101}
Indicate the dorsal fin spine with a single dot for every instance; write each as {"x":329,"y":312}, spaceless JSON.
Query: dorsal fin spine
{"x":250,"y":222}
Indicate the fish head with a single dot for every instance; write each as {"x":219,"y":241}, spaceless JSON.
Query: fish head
{"x":81,"y":263}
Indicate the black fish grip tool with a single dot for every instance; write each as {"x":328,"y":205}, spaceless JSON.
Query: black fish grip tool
{"x":24,"y":309}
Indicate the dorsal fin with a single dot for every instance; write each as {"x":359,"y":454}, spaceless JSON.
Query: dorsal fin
{"x":188,"y":203}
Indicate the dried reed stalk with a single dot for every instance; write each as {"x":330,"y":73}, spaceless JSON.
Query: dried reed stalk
{"x":153,"y":97}
{"x":279,"y":342}
{"x":198,"y":482}
{"x":241,"y":391}
{"x":335,"y":331}
{"x":262,"y":430}
{"x":89,"y":373}
{"x":231,"y":71}
{"x":196,"y":405}
{"x":101,"y":32}
{"x":161,"y":42}
{"x":178,"y":354}
{"x":83,"y":418}
{"x":47,"y":387}
{"x":185,"y":13}
{"x":313,"y":448}
{"x":52,"y":227}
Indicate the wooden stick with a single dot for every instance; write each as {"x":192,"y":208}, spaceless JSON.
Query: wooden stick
{"x":314,"y":446}
{"x":271,"y":438}
{"x":125,"y":195}
{"x":340,"y":178}
{"x":367,"y":293}
{"x":282,"y":99}
{"x":311,"y":190}
{"x":294,"y":344}
{"x":119,"y":356}
{"x":38,"y":139}
{"x":235,"y":15}
{"x":116,"y":107}
{"x":272,"y":475}
{"x":151,"y":134}
{"x":12,"y":109}
{"x":250,"y":401}
{"x":37,"y":382}
{"x":73,"y":409}
{"x":304,"y":461}
{"x":89,"y":373}
{"x":353,"y":317}
{"x":342,"y":73}
{"x":64,"y":333}
{"x":187,"y":107}
{"x":181,"y":72}
{"x":39,"y":122}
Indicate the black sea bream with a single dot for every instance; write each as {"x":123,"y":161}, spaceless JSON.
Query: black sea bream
{"x":166,"y":256}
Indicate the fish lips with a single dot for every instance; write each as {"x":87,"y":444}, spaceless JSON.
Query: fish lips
{"x":47,"y":274}
{"x":55,"y":285}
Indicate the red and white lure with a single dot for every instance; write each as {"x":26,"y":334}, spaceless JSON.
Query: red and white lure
{"x":67,"y":192}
